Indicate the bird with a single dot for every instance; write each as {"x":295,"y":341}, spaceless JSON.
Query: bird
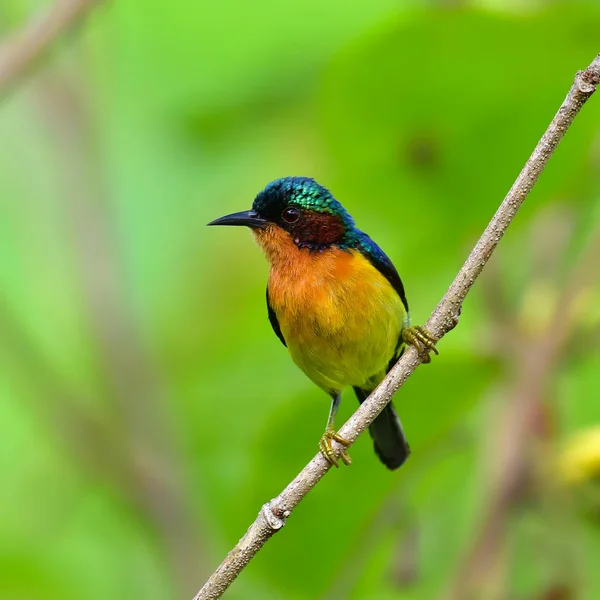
{"x":336,"y":301}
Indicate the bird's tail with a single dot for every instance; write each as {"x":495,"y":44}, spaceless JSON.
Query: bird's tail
{"x":388,"y":436}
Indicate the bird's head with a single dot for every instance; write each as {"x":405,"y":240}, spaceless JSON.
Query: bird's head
{"x":296,"y":209}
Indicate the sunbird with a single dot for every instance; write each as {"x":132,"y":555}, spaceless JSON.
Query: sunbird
{"x":335,"y":300}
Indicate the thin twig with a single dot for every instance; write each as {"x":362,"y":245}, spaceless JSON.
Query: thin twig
{"x":28,"y":46}
{"x":273,"y":515}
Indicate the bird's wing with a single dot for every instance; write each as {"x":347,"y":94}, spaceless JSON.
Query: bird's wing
{"x":378,"y":258}
{"x":273,"y":320}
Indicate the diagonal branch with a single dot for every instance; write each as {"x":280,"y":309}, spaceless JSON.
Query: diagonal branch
{"x":18,"y":55}
{"x":273,"y":515}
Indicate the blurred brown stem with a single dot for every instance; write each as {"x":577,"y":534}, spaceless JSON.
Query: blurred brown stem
{"x":535,"y":361}
{"x":137,"y":452}
{"x":273,"y":515}
{"x":17,"y":56}
{"x":135,"y":389}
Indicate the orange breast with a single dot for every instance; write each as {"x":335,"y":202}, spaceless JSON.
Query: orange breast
{"x":339,"y":315}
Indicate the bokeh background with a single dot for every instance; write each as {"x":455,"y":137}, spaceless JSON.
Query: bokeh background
{"x":147,"y":409}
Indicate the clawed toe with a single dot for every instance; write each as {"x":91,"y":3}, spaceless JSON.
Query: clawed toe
{"x":423,"y":341}
{"x":326,"y":448}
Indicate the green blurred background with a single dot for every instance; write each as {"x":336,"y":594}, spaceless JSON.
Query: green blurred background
{"x":147,"y":409}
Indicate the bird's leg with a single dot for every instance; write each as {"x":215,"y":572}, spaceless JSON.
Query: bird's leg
{"x":422,"y":340}
{"x":325,"y":445}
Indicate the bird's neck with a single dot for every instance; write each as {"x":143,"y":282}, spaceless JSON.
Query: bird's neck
{"x":294,"y":264}
{"x":279,"y":247}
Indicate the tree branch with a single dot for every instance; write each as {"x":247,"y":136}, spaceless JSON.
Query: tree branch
{"x":273,"y":515}
{"x":21,"y":53}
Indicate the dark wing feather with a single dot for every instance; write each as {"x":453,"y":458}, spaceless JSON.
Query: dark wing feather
{"x":273,"y":320}
{"x":378,"y":258}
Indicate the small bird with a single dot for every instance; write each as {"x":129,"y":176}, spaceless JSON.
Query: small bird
{"x":335,"y":300}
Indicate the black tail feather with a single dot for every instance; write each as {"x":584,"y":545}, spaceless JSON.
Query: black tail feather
{"x":388,"y":436}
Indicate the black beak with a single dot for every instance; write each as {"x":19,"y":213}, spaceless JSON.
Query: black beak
{"x":249,"y":218}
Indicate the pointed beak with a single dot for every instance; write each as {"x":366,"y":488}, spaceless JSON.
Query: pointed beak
{"x":249,"y":218}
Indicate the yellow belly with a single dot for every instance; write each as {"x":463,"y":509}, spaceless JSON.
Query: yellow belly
{"x":340,"y":317}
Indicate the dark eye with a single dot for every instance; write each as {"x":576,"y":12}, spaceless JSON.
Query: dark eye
{"x":290,"y":214}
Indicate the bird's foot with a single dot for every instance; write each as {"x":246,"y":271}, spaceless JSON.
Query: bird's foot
{"x":327,"y":451}
{"x":421,"y":340}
